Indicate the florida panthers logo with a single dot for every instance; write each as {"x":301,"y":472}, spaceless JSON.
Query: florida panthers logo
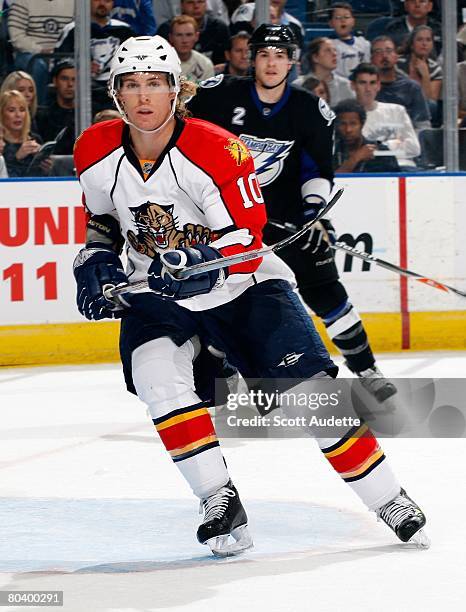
{"x":269,"y":156}
{"x":157,"y":230}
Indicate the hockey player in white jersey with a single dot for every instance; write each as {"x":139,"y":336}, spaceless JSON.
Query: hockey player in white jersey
{"x":179,"y":191}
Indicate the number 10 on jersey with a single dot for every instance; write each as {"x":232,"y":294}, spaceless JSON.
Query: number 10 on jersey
{"x":250,"y":190}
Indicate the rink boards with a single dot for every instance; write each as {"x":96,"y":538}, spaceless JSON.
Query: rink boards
{"x":415,"y":222}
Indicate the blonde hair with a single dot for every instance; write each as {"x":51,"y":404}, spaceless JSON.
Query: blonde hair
{"x":187,"y":91}
{"x":106,"y":115}
{"x":5,"y":99}
{"x":11,"y":81}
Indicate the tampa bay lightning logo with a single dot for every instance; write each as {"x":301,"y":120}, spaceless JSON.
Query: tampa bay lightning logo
{"x":268,"y":155}
{"x":212,"y":81}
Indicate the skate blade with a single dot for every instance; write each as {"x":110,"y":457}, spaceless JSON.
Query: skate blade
{"x":221,"y":546}
{"x":420,"y":539}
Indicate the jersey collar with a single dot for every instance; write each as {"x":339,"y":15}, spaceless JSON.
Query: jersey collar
{"x":132,"y":157}
{"x":275,"y":108}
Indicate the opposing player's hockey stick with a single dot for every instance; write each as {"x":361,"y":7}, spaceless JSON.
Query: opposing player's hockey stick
{"x":342,"y":246}
{"x":230,"y":260}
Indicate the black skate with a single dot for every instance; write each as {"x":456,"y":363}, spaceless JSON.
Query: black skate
{"x":406,"y":519}
{"x":376,"y":384}
{"x":224,"y":516}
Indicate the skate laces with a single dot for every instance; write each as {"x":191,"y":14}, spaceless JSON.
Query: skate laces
{"x":216,"y":504}
{"x":396,"y":511}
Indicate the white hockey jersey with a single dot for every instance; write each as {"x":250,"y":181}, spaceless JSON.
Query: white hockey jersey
{"x":202,"y":189}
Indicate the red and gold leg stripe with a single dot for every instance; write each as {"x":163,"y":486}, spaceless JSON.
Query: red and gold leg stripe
{"x":187,"y":431}
{"x":355,"y":457}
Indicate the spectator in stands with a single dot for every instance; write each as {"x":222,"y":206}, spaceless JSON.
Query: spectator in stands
{"x":165,"y":10}
{"x":462,"y":92}
{"x":388,"y":124}
{"x":322,"y":57}
{"x":213,"y":33}
{"x":108,"y":114}
{"x":138,"y":14}
{"x":222,"y":9}
{"x":34,"y":27}
{"x":318,"y":88}
{"x":20,"y":144}
{"x":416,"y":61}
{"x":237,"y":56}
{"x":183,"y":36}
{"x":417,"y":13}
{"x":60,"y":113}
{"x":287,"y":19}
{"x":244,"y":18}
{"x":351,"y":50}
{"x":106,"y":36}
{"x":396,"y":87}
{"x":353,"y":152}
{"x":25,"y":84}
{"x":3,"y":170}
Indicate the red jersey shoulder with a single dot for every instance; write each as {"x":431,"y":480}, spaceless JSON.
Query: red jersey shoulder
{"x":96,"y":142}
{"x":213,"y":148}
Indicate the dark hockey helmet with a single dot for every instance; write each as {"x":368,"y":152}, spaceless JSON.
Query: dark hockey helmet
{"x":269,"y":35}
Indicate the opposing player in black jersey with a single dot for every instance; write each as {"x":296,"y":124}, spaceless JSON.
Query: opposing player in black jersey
{"x":290,"y":134}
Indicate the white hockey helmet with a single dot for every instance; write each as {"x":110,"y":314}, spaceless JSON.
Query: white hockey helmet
{"x":146,"y":54}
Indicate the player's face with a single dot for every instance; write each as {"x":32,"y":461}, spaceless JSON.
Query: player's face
{"x":326,"y":56}
{"x":342,"y":22}
{"x":349,"y":127}
{"x":26,"y":87}
{"x":146,"y":98}
{"x":423,"y":43}
{"x":271,"y":66}
{"x":14,"y":116}
{"x":366,"y":86}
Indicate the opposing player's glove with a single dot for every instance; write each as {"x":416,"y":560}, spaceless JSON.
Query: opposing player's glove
{"x":321,"y":235}
{"x":312,"y":205}
{"x":96,"y":269}
{"x":162,"y":280}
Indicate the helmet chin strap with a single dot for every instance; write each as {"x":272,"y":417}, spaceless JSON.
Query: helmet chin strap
{"x":277,"y":85}
{"x":124,"y":116}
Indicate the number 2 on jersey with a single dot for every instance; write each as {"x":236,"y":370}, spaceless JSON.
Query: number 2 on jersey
{"x":250,"y":192}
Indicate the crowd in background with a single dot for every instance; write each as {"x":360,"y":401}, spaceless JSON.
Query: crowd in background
{"x":382,"y":78}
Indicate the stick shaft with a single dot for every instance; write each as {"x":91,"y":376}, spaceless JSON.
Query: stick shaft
{"x":230,"y":260}
{"x":342,"y":246}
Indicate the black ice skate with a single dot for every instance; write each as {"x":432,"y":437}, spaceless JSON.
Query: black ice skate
{"x":406,"y":519}
{"x":224,"y":516}
{"x":376,"y":384}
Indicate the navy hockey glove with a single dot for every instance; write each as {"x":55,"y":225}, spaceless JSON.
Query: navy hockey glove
{"x":321,"y":235}
{"x":96,"y":269}
{"x":161,"y":279}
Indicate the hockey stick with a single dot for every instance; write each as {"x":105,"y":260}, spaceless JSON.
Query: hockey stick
{"x":230,"y":260}
{"x":342,"y":246}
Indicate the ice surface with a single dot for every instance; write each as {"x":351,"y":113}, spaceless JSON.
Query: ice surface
{"x":91,"y":504}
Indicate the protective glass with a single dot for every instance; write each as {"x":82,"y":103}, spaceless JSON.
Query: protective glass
{"x":144,"y":83}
